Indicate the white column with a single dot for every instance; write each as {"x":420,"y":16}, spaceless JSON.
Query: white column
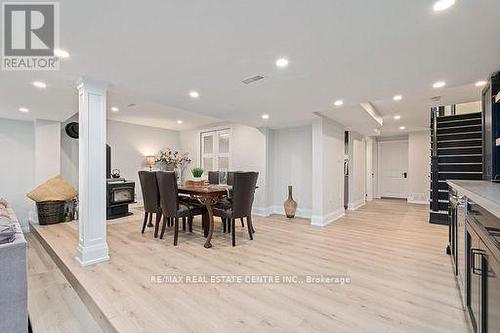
{"x":92,"y":246}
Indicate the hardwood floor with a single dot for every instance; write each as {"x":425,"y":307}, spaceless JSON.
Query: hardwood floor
{"x":53,"y":304}
{"x":400,"y":277}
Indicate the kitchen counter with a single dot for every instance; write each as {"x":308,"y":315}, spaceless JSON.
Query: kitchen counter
{"x":485,"y":194}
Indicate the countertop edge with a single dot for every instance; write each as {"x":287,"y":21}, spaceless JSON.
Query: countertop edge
{"x":490,"y":206}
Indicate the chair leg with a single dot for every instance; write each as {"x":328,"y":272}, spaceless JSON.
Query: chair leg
{"x":144,"y":223}
{"x":205,"y":224}
{"x":183,"y":224}
{"x":242,"y":223}
{"x":223,"y":220}
{"x":176,"y":230}
{"x":150,"y":222}
{"x":250,"y":227}
{"x":157,"y":224}
{"x":229,"y":225}
{"x":165,"y":219}
{"x":233,"y":233}
{"x":190,"y":223}
{"x":250,"y":224}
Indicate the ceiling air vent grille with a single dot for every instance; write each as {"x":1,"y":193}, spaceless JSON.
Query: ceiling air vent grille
{"x":252,"y":79}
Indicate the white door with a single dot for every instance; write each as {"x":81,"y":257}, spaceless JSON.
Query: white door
{"x":393,"y":169}
{"x":215,"y":150}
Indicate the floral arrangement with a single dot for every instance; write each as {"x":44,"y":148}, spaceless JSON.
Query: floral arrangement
{"x":173,"y":158}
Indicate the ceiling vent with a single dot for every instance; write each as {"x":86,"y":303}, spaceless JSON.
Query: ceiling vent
{"x":131,"y":105}
{"x":252,"y":79}
{"x":436,"y":98}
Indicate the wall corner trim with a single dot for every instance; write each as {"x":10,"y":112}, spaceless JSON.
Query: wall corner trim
{"x":321,"y":221}
{"x":356,"y":204}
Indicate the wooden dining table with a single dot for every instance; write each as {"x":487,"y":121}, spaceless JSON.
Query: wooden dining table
{"x":207,"y":195}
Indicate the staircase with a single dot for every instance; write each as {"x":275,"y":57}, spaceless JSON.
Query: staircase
{"x":456,"y":148}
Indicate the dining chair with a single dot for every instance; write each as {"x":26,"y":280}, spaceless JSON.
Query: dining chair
{"x":213,"y":177}
{"x":171,"y":207}
{"x":151,"y":198}
{"x":240,"y":203}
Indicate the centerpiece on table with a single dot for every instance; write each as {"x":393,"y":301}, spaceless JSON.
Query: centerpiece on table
{"x":197,"y":181}
{"x":172,"y":160}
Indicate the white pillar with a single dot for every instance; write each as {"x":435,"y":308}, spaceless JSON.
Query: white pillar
{"x":92,"y":246}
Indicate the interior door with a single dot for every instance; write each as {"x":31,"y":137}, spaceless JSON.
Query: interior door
{"x":393,"y":169}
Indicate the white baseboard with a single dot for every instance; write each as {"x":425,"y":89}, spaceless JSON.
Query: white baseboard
{"x":418,"y":198}
{"x":356,"y":204}
{"x":321,"y":221}
{"x":279,"y":210}
{"x":417,"y":202}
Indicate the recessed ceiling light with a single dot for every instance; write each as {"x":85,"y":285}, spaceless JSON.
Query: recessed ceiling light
{"x":398,"y":97}
{"x":115,"y":109}
{"x":24,"y":110}
{"x":194,"y":94}
{"x":40,"y":84}
{"x":265,"y":116}
{"x":439,"y":84}
{"x":282,"y":62}
{"x":179,"y":122}
{"x":338,"y":102}
{"x":61,"y":53}
{"x":443,"y":5}
{"x":397,"y":117}
{"x":402,"y":128}
{"x":480,"y":83}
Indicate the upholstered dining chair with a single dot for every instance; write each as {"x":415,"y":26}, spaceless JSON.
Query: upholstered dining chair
{"x":151,"y":198}
{"x":240,"y":203}
{"x":171,"y":207}
{"x":213,"y":177}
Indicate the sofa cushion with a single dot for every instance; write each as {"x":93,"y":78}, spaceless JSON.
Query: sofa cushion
{"x":4,"y":213}
{"x":3,"y":203}
{"x":7,"y":231}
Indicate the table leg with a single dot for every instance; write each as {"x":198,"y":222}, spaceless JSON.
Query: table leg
{"x":209,"y":203}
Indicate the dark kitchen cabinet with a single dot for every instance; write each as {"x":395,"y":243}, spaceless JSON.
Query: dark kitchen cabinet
{"x":482,"y":271}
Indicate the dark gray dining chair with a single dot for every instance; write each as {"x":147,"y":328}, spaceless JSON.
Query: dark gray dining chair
{"x":240,"y":204}
{"x":151,"y":198}
{"x":171,"y":207}
{"x":213,"y":177}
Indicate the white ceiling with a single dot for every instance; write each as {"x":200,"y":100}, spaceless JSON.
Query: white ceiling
{"x":154,"y":53}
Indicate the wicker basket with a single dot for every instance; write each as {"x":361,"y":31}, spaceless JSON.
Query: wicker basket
{"x":50,"y":212}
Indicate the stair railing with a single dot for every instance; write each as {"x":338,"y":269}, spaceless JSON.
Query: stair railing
{"x":434,"y":162}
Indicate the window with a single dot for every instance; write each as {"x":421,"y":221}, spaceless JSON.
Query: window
{"x":216,"y":150}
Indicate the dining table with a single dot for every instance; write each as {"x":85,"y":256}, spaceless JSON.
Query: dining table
{"x":208,"y":195}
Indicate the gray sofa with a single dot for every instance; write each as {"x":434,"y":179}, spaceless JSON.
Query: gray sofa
{"x":14,"y":282}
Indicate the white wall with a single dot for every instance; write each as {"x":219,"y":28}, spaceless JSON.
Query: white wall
{"x":129,"y":145}
{"x":17,"y":144}
{"x":47,"y":150}
{"x":418,"y":166}
{"x":248,"y":150}
{"x":327,"y":171}
{"x":69,"y":154}
{"x":290,"y":163}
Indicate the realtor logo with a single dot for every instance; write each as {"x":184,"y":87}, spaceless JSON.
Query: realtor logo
{"x":30,"y":35}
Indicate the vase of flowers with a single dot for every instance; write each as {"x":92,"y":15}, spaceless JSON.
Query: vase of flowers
{"x":172,"y":160}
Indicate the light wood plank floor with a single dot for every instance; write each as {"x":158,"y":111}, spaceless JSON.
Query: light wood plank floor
{"x":53,"y":304}
{"x":401,"y":278}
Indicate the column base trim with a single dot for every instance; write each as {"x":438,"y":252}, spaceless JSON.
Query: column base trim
{"x":90,"y":255}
